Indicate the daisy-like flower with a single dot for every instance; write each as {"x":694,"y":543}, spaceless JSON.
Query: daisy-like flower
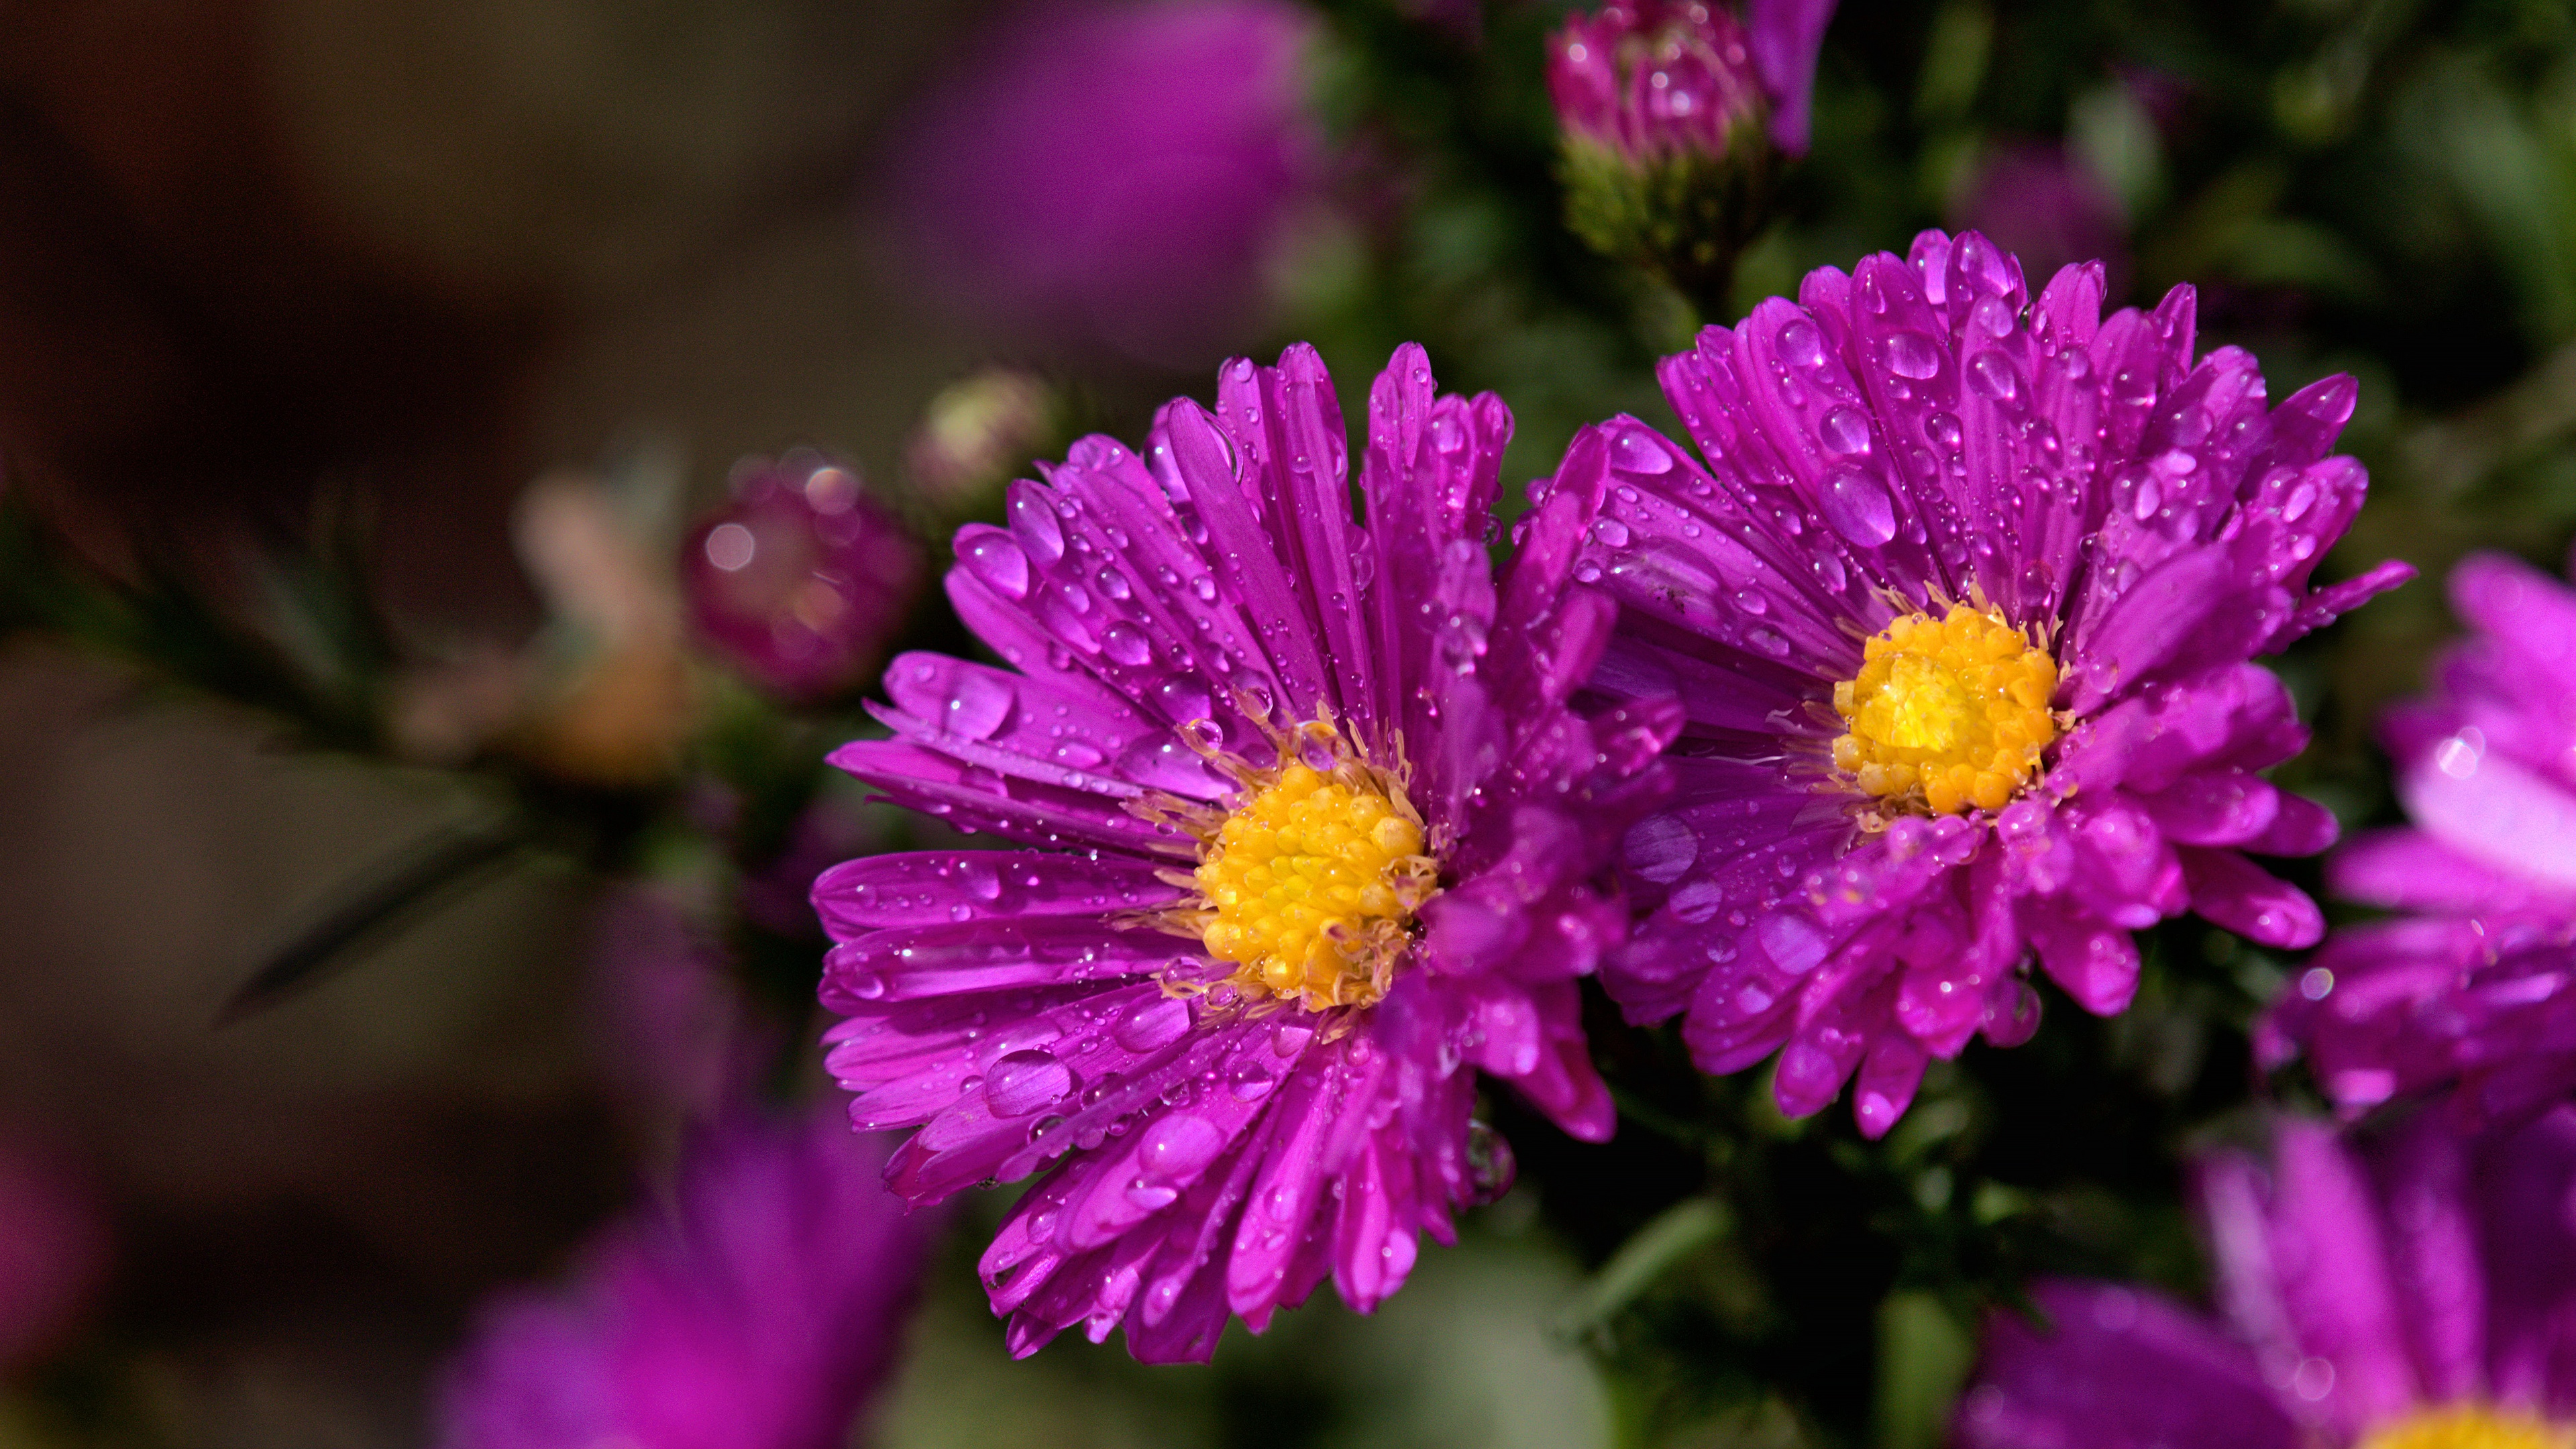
{"x":2414,"y":1292}
{"x":1320,"y":840}
{"x":1960,"y":612}
{"x":760,"y":1309}
{"x":2477,"y":985}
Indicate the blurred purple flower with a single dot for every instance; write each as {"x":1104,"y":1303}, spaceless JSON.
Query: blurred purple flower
{"x":1111,"y":173}
{"x":2043,"y":204}
{"x":761,"y":1308}
{"x":1962,"y":612}
{"x":1221,"y":681}
{"x":2478,"y":984}
{"x":53,"y":1253}
{"x":802,"y":579}
{"x":2414,"y":1293}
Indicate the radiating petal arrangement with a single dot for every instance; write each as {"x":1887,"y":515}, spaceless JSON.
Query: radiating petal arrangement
{"x":1320,"y":835}
{"x":1960,"y":609}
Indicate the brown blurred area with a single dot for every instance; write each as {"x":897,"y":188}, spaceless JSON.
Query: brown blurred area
{"x":408,"y":254}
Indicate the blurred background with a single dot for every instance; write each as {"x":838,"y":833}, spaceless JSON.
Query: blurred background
{"x":412,"y":736}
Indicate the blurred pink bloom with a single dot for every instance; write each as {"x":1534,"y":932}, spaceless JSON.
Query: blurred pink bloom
{"x":2042,"y":203}
{"x":1108,"y":174}
{"x":760,"y":1308}
{"x":802,"y":580}
{"x":53,"y":1253}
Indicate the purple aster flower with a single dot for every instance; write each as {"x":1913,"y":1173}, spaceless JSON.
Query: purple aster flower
{"x":802,"y":579}
{"x":2416,"y":1292}
{"x":760,"y":1309}
{"x":1672,"y":112}
{"x":1113,"y":174}
{"x":2477,"y":985}
{"x":1960,"y":613}
{"x":1321,"y":841}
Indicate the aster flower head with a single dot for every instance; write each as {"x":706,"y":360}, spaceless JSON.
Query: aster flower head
{"x":802,"y":578}
{"x":759,"y":1309}
{"x":1960,"y":611}
{"x":1317,"y":839}
{"x":1674,"y":114}
{"x":2409,"y":1292}
{"x":2476,"y":983}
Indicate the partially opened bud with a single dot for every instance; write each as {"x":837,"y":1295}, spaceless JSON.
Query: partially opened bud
{"x":1675,"y":122}
{"x":803,"y":580}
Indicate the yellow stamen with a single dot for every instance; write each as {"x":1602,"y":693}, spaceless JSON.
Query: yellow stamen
{"x":2471,"y":1427}
{"x":1947,"y":714}
{"x":1311,"y":885}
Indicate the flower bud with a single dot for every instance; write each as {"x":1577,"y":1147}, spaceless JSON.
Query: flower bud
{"x":1675,"y":120}
{"x":802,"y":581}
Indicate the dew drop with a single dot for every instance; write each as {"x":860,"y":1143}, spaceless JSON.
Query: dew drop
{"x":1909,"y":354}
{"x":1639,"y":452}
{"x":1846,"y":431}
{"x":1858,"y":508}
{"x":1993,"y":374}
{"x":1152,"y":1025}
{"x":995,"y":559}
{"x":979,"y":704}
{"x":1125,"y":643}
{"x":1026,"y":1082}
{"x":1801,"y":343}
{"x":1034,"y":524}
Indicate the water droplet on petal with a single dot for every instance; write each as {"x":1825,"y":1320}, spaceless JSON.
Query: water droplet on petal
{"x":1993,"y":374}
{"x":1026,"y":1082}
{"x":979,"y":704}
{"x":995,"y":559}
{"x":1179,"y":1146}
{"x":1801,"y":343}
{"x":1638,"y":452}
{"x":1153,"y":1025}
{"x":1909,"y":354}
{"x":1034,"y":524}
{"x":1846,"y":431}
{"x":1125,"y":643}
{"x":1858,"y":507}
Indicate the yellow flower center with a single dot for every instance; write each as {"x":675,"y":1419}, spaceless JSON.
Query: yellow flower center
{"x":2471,"y":1427}
{"x":1312,"y":883}
{"x":1950,"y":712}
